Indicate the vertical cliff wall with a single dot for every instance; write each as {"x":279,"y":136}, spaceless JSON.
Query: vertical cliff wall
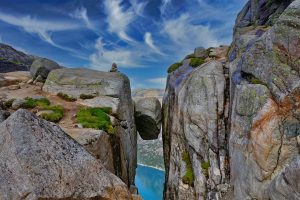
{"x":231,"y":127}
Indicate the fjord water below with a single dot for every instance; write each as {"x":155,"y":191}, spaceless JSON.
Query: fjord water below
{"x":150,"y":182}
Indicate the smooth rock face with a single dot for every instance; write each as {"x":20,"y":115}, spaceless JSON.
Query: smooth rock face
{"x":265,"y":112}
{"x":41,"y":67}
{"x":98,"y":143}
{"x":194,"y":123}
{"x":148,"y":117}
{"x":39,"y":161}
{"x":111,"y":89}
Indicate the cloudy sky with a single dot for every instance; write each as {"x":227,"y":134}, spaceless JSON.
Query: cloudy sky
{"x":142,"y":36}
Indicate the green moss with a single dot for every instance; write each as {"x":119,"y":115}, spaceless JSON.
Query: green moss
{"x":190,"y":56}
{"x":205,"y":165}
{"x":87,"y":96}
{"x":32,"y":103}
{"x":8,"y":104}
{"x":188,"y":177}
{"x":58,"y":113}
{"x":96,"y":118}
{"x":196,"y":62}
{"x":254,"y":80}
{"x":174,"y":66}
{"x":66,"y":97}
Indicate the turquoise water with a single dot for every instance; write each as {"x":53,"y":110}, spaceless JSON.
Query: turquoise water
{"x":150,"y":182}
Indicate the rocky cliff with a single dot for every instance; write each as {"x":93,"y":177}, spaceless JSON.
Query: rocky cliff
{"x":232,"y":123}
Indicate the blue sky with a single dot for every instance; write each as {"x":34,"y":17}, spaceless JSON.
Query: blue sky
{"x":142,"y":36}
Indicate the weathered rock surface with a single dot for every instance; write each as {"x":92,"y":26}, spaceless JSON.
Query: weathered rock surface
{"x":200,"y":52}
{"x":111,"y":90}
{"x":13,"y":60}
{"x":194,"y":124}
{"x":258,"y":129}
{"x":41,"y":67}
{"x":17,"y":103}
{"x":39,"y":161}
{"x":148,"y":117}
{"x":98,"y":143}
{"x":265,"y":115}
{"x":286,"y":184}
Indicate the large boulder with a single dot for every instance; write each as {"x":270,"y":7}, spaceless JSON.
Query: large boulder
{"x":148,"y":117}
{"x":39,"y":161}
{"x":42,"y":67}
{"x":111,"y":89}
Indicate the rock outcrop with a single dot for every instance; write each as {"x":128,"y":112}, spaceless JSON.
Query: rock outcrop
{"x":110,"y":89}
{"x":235,"y":123}
{"x":41,"y":67}
{"x":148,"y":117}
{"x":194,"y":132}
{"x":13,"y":60}
{"x":39,"y":161}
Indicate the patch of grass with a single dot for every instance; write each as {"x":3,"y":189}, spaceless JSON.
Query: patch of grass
{"x":66,"y":97}
{"x":32,"y":103}
{"x":87,"y":96}
{"x":58,"y":113}
{"x":205,"y":166}
{"x":96,"y":118}
{"x":190,"y":56}
{"x":188,"y":177}
{"x":173,"y":67}
{"x":8,"y":104}
{"x":196,"y":62}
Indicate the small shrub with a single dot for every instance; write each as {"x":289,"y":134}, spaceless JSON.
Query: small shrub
{"x":66,"y":97}
{"x":87,"y":96}
{"x":188,"y":177}
{"x":209,"y":50}
{"x":175,"y":66}
{"x":196,"y":62}
{"x":8,"y":104}
{"x":190,"y":56}
{"x":58,"y":113}
{"x":32,"y":103}
{"x":96,"y":118}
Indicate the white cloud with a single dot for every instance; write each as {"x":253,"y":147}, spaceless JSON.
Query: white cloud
{"x":81,"y":13}
{"x":138,"y":7}
{"x":157,"y":82}
{"x":118,"y":18}
{"x":42,"y":28}
{"x":187,"y":36}
{"x":164,"y":5}
{"x":149,"y":41}
{"x":103,"y":58}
